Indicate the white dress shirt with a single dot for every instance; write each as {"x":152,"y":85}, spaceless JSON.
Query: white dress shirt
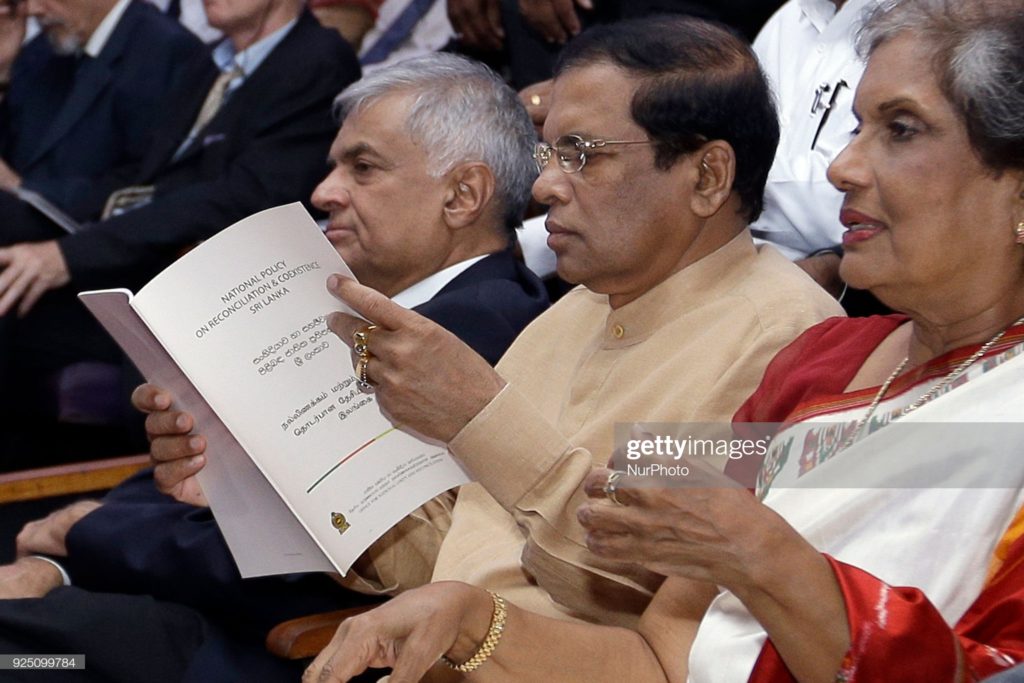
{"x":805,"y":48}
{"x":101,"y":35}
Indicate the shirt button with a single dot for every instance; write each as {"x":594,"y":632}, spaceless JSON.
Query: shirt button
{"x":618,"y":331}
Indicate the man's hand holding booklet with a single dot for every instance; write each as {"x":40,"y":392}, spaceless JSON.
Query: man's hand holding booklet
{"x":303,"y":472}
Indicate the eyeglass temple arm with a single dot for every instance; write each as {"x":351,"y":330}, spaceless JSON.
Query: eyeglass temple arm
{"x":594,"y":144}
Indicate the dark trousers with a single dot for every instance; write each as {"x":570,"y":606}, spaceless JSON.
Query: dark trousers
{"x":129,"y":638}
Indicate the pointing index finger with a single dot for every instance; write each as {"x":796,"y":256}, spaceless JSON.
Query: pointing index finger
{"x":368,"y":303}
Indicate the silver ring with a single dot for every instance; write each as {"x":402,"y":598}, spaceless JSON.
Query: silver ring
{"x":611,"y":487}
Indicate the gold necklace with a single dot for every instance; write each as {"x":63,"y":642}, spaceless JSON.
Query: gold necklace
{"x":931,"y":393}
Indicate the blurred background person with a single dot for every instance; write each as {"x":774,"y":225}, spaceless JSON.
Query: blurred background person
{"x":81,"y":96}
{"x":249,"y":128}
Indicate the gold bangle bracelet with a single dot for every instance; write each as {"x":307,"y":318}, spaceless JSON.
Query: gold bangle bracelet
{"x":486,"y":649}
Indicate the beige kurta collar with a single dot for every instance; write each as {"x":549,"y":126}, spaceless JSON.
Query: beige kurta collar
{"x":684,"y":291}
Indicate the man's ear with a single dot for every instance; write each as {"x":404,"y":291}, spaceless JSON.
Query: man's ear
{"x":715,"y":166}
{"x":1018,"y":208}
{"x":468,"y":194}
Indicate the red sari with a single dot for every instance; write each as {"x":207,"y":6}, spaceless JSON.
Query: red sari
{"x":896,"y":634}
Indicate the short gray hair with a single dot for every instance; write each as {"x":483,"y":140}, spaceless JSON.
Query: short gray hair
{"x":462,"y":112}
{"x":979,"y":61}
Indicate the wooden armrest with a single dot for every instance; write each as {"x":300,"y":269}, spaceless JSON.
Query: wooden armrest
{"x":62,"y":480}
{"x":306,"y":636}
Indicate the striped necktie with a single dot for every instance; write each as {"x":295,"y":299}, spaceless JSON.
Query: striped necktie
{"x":214,"y":99}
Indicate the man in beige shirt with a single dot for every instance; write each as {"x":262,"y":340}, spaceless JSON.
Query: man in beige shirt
{"x":656,"y":164}
{"x":662,"y":132}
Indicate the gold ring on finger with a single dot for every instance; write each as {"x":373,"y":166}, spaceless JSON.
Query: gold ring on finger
{"x":361,"y":340}
{"x":362,"y":380}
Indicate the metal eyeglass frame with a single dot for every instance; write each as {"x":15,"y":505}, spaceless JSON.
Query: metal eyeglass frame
{"x":543,"y":151}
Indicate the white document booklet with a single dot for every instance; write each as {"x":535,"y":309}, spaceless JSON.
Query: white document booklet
{"x":303,"y":472}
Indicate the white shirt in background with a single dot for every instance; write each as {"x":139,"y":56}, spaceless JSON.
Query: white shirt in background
{"x":804,"y":48}
{"x":432,"y":32}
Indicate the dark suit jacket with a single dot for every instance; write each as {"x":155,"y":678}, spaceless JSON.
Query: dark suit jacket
{"x":140,"y":541}
{"x":66,"y":121}
{"x":488,"y":304}
{"x":266,"y":146}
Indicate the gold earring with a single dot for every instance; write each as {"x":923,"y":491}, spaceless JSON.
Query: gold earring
{"x":1019,"y":232}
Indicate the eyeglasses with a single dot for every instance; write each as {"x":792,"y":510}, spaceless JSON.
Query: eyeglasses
{"x":571,"y":151}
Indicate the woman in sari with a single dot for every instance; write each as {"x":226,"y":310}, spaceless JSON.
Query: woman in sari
{"x":915,"y":570}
